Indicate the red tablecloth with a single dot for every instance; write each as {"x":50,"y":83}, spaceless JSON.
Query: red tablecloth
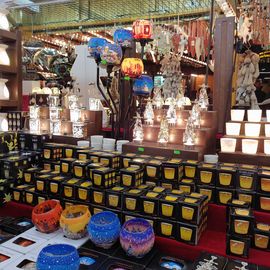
{"x":213,"y":239}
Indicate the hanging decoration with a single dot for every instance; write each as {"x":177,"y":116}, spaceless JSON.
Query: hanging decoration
{"x":195,"y":114}
{"x":142,"y":29}
{"x":203,"y":98}
{"x":111,"y":54}
{"x":247,"y":74}
{"x":138,"y":129}
{"x":95,"y":45}
{"x":143,"y":85}
{"x":189,"y":135}
{"x":149,"y":113}
{"x":123,"y":37}
{"x":171,"y":113}
{"x":132,"y":67}
{"x":158,"y":100}
{"x":163,"y":135}
{"x":171,"y":70}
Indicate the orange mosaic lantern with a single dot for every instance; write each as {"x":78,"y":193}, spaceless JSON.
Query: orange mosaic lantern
{"x":132,"y":67}
{"x":142,"y":29}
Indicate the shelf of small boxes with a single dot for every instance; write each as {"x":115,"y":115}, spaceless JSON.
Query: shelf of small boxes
{"x":248,"y":140}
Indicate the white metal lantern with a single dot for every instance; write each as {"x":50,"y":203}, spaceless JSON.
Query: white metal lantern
{"x":54,"y":113}
{"x":4,"y":24}
{"x":228,"y":145}
{"x":53,"y":100}
{"x":73,"y":102}
{"x":94,"y":104}
{"x":237,"y":115}
{"x":3,"y":122}
{"x":254,"y":115}
{"x":233,"y":129}
{"x":34,"y":112}
{"x":55,"y":127}
{"x":252,"y":130}
{"x":75,"y":115}
{"x":4,"y":92}
{"x":267,"y":147}
{"x":78,"y":129}
{"x":4,"y":58}
{"x":267,"y":130}
{"x":34,"y":126}
{"x":268,"y":115}
{"x":249,"y":146}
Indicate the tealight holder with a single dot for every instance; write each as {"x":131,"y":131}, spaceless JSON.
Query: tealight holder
{"x":254,"y":115}
{"x":238,"y":246}
{"x":262,"y":236}
{"x":252,"y":130}
{"x":82,"y":190}
{"x":249,"y":146}
{"x":233,"y":129}
{"x":267,"y":147}
{"x":75,"y":115}
{"x":78,"y":129}
{"x":228,"y":145}
{"x":237,"y":115}
{"x":54,"y":113}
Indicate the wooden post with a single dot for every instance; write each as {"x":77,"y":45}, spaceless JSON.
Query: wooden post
{"x":223,"y":55}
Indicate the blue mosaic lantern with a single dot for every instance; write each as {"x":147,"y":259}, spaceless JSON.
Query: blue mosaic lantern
{"x":143,"y":85}
{"x":123,"y":37}
{"x":58,"y":257}
{"x":111,"y":54}
{"x":95,"y":46}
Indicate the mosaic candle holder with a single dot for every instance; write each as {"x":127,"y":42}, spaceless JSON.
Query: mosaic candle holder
{"x":58,"y":257}
{"x":46,"y":215}
{"x":74,"y":220}
{"x":137,"y":237}
{"x":104,"y":229}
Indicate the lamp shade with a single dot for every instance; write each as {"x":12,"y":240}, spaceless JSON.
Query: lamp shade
{"x":254,"y":115}
{"x":132,"y":67}
{"x":143,"y":85}
{"x":268,"y":115}
{"x":237,"y":115}
{"x":142,"y":29}
{"x":233,"y":129}
{"x":249,"y":146}
{"x":4,"y":92}
{"x":252,"y":130}
{"x":4,"y":58}
{"x":95,"y":45}
{"x":267,"y":130}
{"x":228,"y":144}
{"x":267,"y":147}
{"x":3,"y":122}
{"x":123,"y":37}
{"x":4,"y":24}
{"x":111,"y":54}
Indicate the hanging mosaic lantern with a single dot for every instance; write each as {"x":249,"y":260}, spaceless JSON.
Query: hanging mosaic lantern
{"x":95,"y":45}
{"x":123,"y":37}
{"x":142,"y":29}
{"x":132,"y":67}
{"x":143,"y":85}
{"x":111,"y":54}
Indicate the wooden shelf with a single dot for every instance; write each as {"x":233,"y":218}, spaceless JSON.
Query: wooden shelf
{"x":8,"y":69}
{"x":7,"y":36}
{"x":8,"y":103}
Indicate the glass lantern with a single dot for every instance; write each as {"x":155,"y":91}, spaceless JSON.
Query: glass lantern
{"x":132,"y":67}
{"x":123,"y":37}
{"x":75,"y":115}
{"x":34,"y":125}
{"x":4,"y":92}
{"x":78,"y":129}
{"x":142,"y":29}
{"x":94,"y":104}
{"x":4,"y":58}
{"x":111,"y":54}
{"x":143,"y":85}
{"x":73,"y":102}
{"x":95,"y":45}
{"x":54,"y":113}
{"x":55,"y":127}
{"x":34,"y":112}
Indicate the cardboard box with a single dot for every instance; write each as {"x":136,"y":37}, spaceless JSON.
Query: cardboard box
{"x":190,"y":168}
{"x":237,"y":246}
{"x":153,"y":170}
{"x":187,"y":185}
{"x":166,"y":228}
{"x":209,"y":191}
{"x":150,"y":203}
{"x":263,"y":202}
{"x":125,"y":158}
{"x":104,"y":177}
{"x":66,"y":165}
{"x":261,"y":239}
{"x":207,"y":174}
{"x":172,"y":170}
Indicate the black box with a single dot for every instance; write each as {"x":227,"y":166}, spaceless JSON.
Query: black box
{"x":132,"y":200}
{"x":207,"y":174}
{"x":246,"y":196}
{"x":223,"y":195}
{"x":169,"y":206}
{"x":69,"y":151}
{"x":83,"y":191}
{"x":54,"y":185}
{"x":153,"y":170}
{"x":98,"y":196}
{"x":41,"y":198}
{"x":52,"y":151}
{"x":168,"y":185}
{"x":23,"y":142}
{"x":125,"y":158}
{"x":226,"y":176}
{"x":94,"y":156}
{"x":36,"y":142}
{"x":231,"y":265}
{"x":131,"y":176}
{"x":216,"y":261}
{"x":114,"y":197}
{"x":30,"y":196}
{"x":18,"y":193}
{"x":138,"y":163}
{"x":110,"y":160}
{"x":166,"y":228}
{"x":90,"y":168}
{"x":237,"y":246}
{"x":113,"y":263}
{"x":187,"y":185}
{"x":17,"y":226}
{"x":190,"y":168}
{"x":68,"y":188}
{"x":89,"y":245}
{"x":80,"y":167}
{"x":263,"y":185}
{"x":29,"y":175}
{"x":209,"y":191}
{"x":263,"y":202}
{"x":234,"y":203}
{"x":150,"y":203}
{"x":246,"y":177}
{"x":172,"y":170}
{"x":83,"y":154}
{"x":261,"y":239}
{"x":66,"y":165}
{"x":104,"y":177}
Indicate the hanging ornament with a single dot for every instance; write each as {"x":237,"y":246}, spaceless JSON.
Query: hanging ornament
{"x":138,"y":129}
{"x":203,"y":98}
{"x":143,"y":85}
{"x":142,"y":29}
{"x":171,"y":113}
{"x":158,"y":100}
{"x":111,"y":54}
{"x":149,"y":113}
{"x":95,"y":45}
{"x":132,"y":67}
{"x":189,"y":135}
{"x":123,"y":37}
{"x":163,"y":135}
{"x":195,"y":114}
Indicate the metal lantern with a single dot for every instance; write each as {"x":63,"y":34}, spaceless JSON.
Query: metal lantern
{"x":143,"y":85}
{"x":111,"y":54}
{"x":95,"y":45}
{"x":78,"y":129}
{"x":123,"y":37}
{"x":132,"y":67}
{"x":142,"y":29}
{"x":55,"y":127}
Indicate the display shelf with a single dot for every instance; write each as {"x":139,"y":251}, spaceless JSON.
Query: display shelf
{"x":8,"y":103}
{"x":8,"y":69}
{"x":6,"y":36}
{"x":238,"y":156}
{"x":213,"y":239}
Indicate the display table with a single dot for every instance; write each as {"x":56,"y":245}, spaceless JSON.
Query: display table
{"x":213,"y":239}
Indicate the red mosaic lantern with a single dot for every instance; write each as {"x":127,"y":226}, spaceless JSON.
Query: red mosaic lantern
{"x":132,"y":67}
{"x":142,"y":29}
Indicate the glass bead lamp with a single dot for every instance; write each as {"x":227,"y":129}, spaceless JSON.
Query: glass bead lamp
{"x":111,"y":54}
{"x":4,"y":58}
{"x":4,"y":92}
{"x":95,"y":45}
{"x":132,"y":67}
{"x":143,"y":85}
{"x":142,"y":29}
{"x":249,"y":146}
{"x":123,"y":37}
